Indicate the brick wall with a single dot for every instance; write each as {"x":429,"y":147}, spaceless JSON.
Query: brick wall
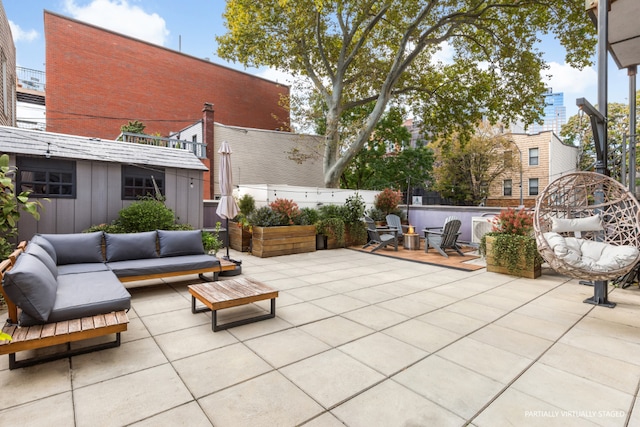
{"x":97,"y":80}
{"x":8,"y":77}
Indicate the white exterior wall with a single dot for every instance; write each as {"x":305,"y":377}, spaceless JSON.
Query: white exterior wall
{"x":187,"y":133}
{"x":563,"y":159}
{"x":31,"y":116}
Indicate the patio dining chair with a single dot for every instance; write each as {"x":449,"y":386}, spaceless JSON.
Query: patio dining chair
{"x":445,"y":239}
{"x":389,"y":235}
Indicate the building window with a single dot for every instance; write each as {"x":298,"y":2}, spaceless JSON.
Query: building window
{"x":194,"y":138}
{"x":507,"y":185}
{"x":533,"y":157}
{"x":139,"y":182}
{"x":533,"y":186}
{"x":47,"y":177}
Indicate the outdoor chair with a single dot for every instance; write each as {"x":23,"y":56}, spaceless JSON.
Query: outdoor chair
{"x":393,"y":221}
{"x":445,"y":239}
{"x":380,"y":240}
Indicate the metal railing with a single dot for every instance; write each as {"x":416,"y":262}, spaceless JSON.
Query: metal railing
{"x":197,"y":148}
{"x":31,"y":79}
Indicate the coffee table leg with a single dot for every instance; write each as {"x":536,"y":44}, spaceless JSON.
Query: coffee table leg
{"x":216,"y":327}
{"x":195,"y":310}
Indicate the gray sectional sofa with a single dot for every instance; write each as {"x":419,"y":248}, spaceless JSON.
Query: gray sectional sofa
{"x":69,"y":276}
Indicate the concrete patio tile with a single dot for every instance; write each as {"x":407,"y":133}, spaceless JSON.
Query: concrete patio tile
{"x":161,"y":303}
{"x":390,"y":404}
{"x":516,"y":342}
{"x":423,"y":335}
{"x":174,"y":320}
{"x":476,"y":311}
{"x":624,"y":313}
{"x":514,"y":408}
{"x":331,"y":377}
{"x":285,"y":347}
{"x":615,"y":373}
{"x":267,"y":276}
{"x":451,"y":321}
{"x":189,"y":414}
{"x":214,"y":370}
{"x":18,"y":385}
{"x":308,"y":293}
{"x":383,"y":353}
{"x":456,"y":291}
{"x":604,"y":327}
{"x":375,"y":317}
{"x":188,"y":342}
{"x":398,"y":288}
{"x":135,"y":330}
{"x":102,"y":365}
{"x":496,"y":301}
{"x":56,"y":410}
{"x":257,"y":329}
{"x":342,"y":286}
{"x":336,"y":330}
{"x":339,"y":303}
{"x":576,"y":306}
{"x":539,"y":311}
{"x":370,"y":296}
{"x":286,"y":283}
{"x":634,"y":419}
{"x":454,"y":387}
{"x":534,"y":326}
{"x":130,"y":398}
{"x":570,"y":392}
{"x":603,"y":344}
{"x":430,"y":297}
{"x":302,"y":313}
{"x":490,"y":361}
{"x":285,"y":298}
{"x":268,"y":400}
{"x":324,"y":420}
{"x":407,"y":306}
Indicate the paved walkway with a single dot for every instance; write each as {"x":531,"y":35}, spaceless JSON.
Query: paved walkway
{"x":358,"y":340}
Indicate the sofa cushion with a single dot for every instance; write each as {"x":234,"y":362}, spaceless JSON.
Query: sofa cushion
{"x":76,"y":248}
{"x":46,"y":245}
{"x":86,"y":294}
{"x":142,"y":267}
{"x":31,"y":286}
{"x":85,"y":267}
{"x":180,"y":242}
{"x":121,"y":247}
{"x":38,"y":252}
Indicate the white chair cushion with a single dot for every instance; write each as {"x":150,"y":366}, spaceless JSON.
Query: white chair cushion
{"x":562,"y":225}
{"x":588,"y":255}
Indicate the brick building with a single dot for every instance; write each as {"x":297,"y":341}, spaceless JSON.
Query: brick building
{"x":7,"y":72}
{"x":97,"y":80}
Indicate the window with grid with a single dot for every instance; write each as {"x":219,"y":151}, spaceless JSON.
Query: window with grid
{"x":138,"y":182}
{"x":533,"y":186}
{"x":533,"y":157}
{"x":51,"y":178}
{"x":507,"y":185}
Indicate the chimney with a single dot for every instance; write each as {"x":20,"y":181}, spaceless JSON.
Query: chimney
{"x":207,"y":138}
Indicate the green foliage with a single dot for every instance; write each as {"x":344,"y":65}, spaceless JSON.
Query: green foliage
{"x":246,"y":204}
{"x":332,"y":227}
{"x":387,"y":201}
{"x":266,"y":217}
{"x":376,"y":214}
{"x":11,"y":206}
{"x":308,"y":216}
{"x":106,"y":228}
{"x":354,"y":208}
{"x":287,"y":209}
{"x":358,"y":232}
{"x":146,"y":215}
{"x":133,"y":127}
{"x":211,"y":240}
{"x":356,"y":53}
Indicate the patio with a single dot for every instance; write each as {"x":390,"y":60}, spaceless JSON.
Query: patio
{"x":358,"y":340}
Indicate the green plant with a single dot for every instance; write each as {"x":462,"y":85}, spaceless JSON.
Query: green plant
{"x":265,"y":217}
{"x":357,"y":232}
{"x":332,"y":211}
{"x":308,"y":216}
{"x":11,"y":206}
{"x":147,"y":214}
{"x":246,"y":204}
{"x":332,"y":227}
{"x":387,"y":201}
{"x":513,"y":241}
{"x":376,"y":214}
{"x":286,"y":208}
{"x":107,"y":228}
{"x":354,"y":208}
{"x":211,"y":240}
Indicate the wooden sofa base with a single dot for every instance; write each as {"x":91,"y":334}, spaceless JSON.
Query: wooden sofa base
{"x":50,"y":334}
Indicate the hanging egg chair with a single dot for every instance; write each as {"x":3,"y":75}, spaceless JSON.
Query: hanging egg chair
{"x":587,"y":226}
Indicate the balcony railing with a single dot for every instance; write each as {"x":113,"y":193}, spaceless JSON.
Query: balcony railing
{"x":31,"y":79}
{"x":197,"y":148}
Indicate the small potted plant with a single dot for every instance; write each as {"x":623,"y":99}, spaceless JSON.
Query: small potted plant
{"x":239,"y":229}
{"x":331,"y":226}
{"x":510,"y":247}
{"x":211,"y":240}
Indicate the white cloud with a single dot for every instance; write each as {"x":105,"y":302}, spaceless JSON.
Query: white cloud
{"x":564,"y":78}
{"x":21,"y":35}
{"x":444,"y":54}
{"x":121,"y":17}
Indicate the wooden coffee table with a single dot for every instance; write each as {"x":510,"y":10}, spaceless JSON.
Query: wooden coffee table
{"x":231,"y":293}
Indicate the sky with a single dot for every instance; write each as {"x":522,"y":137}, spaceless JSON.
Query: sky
{"x":191,"y":26}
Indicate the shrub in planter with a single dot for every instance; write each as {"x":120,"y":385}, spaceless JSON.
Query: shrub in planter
{"x":286,"y":208}
{"x":265,"y":217}
{"x":332,"y":228}
{"x":211,"y":240}
{"x":148,"y":214}
{"x":387,"y":201}
{"x":308,"y":216}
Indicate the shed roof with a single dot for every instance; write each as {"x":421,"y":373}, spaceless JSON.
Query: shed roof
{"x":32,"y":142}
{"x":623,"y":29}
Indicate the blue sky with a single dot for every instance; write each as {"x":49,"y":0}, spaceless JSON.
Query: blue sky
{"x":191,"y":26}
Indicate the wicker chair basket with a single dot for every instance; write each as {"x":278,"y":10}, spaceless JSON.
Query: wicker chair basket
{"x":580,"y":195}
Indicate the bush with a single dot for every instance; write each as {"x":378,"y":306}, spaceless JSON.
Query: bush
{"x":148,"y":214}
{"x":332,"y":211}
{"x":387,"y":201}
{"x":331,"y":227}
{"x":353,"y":209}
{"x":376,"y":214}
{"x":357,"y":233}
{"x":107,"y":228}
{"x":265,"y":217}
{"x":308,"y":216}
{"x":246,"y":204}
{"x":287,"y":209}
{"x":211,"y":240}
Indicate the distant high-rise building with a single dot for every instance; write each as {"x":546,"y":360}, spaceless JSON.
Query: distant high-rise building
{"x":555,"y":113}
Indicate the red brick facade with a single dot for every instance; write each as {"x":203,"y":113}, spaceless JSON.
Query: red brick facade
{"x":97,"y":80}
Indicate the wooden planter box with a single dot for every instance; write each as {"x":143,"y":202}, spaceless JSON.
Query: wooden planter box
{"x":274,"y":241}
{"x":239,"y":237}
{"x":495,"y":266}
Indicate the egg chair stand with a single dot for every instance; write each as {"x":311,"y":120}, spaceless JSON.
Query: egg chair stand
{"x":586,"y":227}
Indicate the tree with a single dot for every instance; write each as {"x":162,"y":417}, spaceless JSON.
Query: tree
{"x":357,"y":52}
{"x":577,"y":131}
{"x":465,"y":169}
